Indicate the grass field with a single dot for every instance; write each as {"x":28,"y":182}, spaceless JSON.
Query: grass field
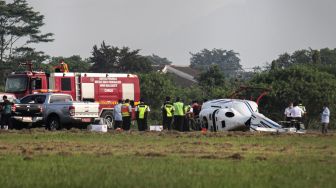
{"x":75,"y":158}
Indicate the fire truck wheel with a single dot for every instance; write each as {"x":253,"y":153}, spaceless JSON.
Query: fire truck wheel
{"x":53,"y":123}
{"x":108,"y":115}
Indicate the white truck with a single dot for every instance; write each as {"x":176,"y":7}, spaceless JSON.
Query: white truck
{"x":54,"y":110}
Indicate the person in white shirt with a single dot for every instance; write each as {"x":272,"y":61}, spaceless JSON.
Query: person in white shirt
{"x":287,"y":115}
{"x":325,"y":116}
{"x":296,"y":114}
{"x":287,"y":112}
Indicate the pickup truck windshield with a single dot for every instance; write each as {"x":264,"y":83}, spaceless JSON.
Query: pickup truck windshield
{"x":16,"y":84}
{"x":60,"y":98}
{"x":33,"y":99}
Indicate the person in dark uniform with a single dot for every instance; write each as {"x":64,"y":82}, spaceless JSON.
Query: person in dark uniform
{"x":6,"y":113}
{"x":167,"y":114}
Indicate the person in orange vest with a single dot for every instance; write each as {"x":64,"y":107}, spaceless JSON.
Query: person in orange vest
{"x":62,"y":67}
{"x":126,"y":110}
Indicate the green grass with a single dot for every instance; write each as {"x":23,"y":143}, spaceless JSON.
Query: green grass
{"x":82,"y":159}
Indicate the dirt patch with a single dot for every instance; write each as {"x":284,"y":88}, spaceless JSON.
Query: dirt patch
{"x":150,"y":154}
{"x":26,"y":151}
{"x":323,"y":147}
{"x":244,"y":149}
{"x":210,"y":157}
{"x":39,"y":148}
{"x":261,"y":158}
{"x":284,"y":149}
{"x":236,"y":156}
{"x":3,"y":147}
{"x":223,"y":145}
{"x":154,"y":154}
{"x":200,"y":143}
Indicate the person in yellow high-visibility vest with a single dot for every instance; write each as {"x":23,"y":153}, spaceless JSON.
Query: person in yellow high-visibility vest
{"x":126,"y":110}
{"x":141,"y":115}
{"x":188,"y":114}
{"x":167,"y":114}
{"x":178,"y":114}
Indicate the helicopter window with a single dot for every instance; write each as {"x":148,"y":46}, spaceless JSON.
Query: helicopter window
{"x":229,"y":114}
{"x":223,"y":124}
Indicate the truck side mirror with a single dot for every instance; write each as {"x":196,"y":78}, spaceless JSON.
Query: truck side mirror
{"x":16,"y":101}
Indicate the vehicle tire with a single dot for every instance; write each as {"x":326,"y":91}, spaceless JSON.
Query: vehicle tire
{"x":108,"y":116}
{"x":53,"y":123}
{"x":18,"y":125}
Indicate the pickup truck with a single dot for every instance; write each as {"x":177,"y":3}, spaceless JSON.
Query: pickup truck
{"x":54,"y":110}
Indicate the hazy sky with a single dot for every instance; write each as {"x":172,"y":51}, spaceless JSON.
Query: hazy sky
{"x":259,"y":30}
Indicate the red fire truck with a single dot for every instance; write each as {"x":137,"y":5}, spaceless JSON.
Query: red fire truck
{"x":104,"y":88}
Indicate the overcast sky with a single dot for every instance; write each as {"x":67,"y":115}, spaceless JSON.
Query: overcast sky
{"x":259,"y":30}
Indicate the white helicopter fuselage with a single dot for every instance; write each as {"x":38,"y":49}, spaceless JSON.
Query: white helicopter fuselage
{"x":235,"y":114}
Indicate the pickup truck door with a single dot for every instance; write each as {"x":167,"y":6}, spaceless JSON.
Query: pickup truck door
{"x":60,"y":103}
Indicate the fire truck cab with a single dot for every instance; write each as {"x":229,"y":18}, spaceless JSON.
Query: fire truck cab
{"x":23,"y":83}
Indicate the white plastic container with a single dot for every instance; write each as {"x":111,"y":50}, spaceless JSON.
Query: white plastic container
{"x":98,"y":128}
{"x":156,"y":128}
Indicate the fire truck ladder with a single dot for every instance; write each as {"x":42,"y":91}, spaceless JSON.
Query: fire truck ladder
{"x":78,"y":87}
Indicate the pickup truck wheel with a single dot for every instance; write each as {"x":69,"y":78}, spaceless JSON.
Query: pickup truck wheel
{"x":53,"y":123}
{"x":108,"y":116}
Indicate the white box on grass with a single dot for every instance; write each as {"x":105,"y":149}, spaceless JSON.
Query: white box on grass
{"x":98,"y":128}
{"x":156,"y":128}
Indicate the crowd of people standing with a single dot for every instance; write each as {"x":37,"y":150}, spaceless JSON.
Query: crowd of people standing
{"x":175,"y":115}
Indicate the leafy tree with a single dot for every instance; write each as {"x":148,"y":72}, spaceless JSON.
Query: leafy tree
{"x":328,"y":56}
{"x":227,"y":61}
{"x":312,"y":57}
{"x":155,"y":87}
{"x":113,"y":59}
{"x":157,"y":60}
{"x":282,"y":62}
{"x":213,"y":83}
{"x":301,"y":57}
{"x":19,"y":27}
{"x":307,"y":83}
